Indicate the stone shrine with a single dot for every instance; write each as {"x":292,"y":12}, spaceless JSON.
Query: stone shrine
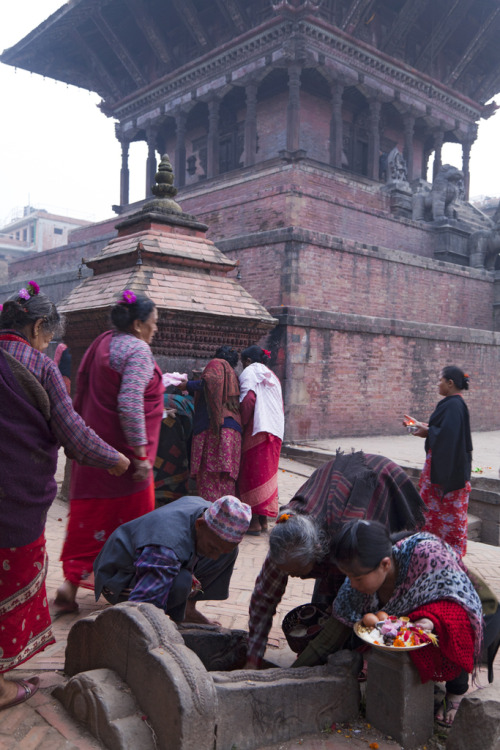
{"x":163,"y":253}
{"x":301,"y":133}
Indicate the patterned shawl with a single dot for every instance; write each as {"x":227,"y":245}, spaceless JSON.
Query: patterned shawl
{"x":428,"y":571}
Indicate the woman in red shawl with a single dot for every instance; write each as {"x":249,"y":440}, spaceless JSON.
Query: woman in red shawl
{"x":216,"y":446}
{"x":119,"y":392}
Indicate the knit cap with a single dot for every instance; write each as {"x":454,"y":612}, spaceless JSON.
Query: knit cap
{"x":229,"y":518}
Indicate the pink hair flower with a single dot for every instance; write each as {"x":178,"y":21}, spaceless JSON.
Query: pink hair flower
{"x":23,"y":293}
{"x":128,"y":297}
{"x":33,"y":288}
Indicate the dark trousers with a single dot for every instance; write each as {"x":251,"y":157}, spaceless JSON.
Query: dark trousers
{"x":491,"y":632}
{"x":214,"y":576}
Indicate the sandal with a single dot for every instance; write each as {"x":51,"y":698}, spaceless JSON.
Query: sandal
{"x":448,"y":708}
{"x":25,"y":689}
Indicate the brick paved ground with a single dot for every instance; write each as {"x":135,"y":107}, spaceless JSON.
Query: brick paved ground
{"x":42,"y":724}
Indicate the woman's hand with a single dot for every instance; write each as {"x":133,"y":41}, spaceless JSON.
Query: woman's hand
{"x":425,"y":624}
{"x":142,"y":469}
{"x":121,"y":467}
{"x":421,"y":428}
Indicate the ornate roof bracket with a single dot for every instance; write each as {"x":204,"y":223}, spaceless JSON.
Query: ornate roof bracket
{"x":443,"y":31}
{"x":143,"y":20}
{"x":118,"y":48}
{"x":97,"y":65}
{"x":404,"y":21}
{"x":357,"y":10}
{"x":230,"y":9}
{"x":187,"y":14}
{"x":474,"y":48}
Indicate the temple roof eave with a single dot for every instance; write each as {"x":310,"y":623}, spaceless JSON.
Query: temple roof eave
{"x":172,"y":290}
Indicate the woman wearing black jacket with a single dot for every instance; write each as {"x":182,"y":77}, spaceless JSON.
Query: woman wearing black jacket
{"x":444,"y":482}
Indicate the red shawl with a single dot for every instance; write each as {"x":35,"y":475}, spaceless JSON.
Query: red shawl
{"x":456,"y":642}
{"x":98,"y":386}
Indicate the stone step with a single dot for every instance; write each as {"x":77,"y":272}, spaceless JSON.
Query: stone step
{"x":474,"y":524}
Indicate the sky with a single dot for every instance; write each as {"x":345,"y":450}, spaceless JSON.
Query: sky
{"x":58,"y":151}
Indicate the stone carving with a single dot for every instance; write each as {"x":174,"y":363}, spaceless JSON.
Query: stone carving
{"x":484,"y":245}
{"x":130,"y":660}
{"x":437,"y":204}
{"x":396,"y":166}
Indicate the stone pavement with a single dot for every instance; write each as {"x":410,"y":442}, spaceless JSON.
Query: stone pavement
{"x":42,"y":724}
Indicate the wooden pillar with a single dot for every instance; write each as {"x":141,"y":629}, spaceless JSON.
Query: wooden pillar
{"x":374,"y":140}
{"x":213,"y":138}
{"x":124,"y":174}
{"x":466,"y":147}
{"x":180,"y":148}
{"x":438,"y":146}
{"x":336,"y":126}
{"x":151,"y":160}
{"x":250,"y":124}
{"x":409,"y":123}
{"x":293,"y":110}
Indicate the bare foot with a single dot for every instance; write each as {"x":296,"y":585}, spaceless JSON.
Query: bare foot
{"x":194,"y":615}
{"x":65,"y":598}
{"x":448,"y":709}
{"x":8,"y":690}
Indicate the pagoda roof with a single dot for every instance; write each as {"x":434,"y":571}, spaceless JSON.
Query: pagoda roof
{"x":120,"y":48}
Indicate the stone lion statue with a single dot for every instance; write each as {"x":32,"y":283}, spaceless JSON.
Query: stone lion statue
{"x":484,"y":245}
{"x":437,"y":204}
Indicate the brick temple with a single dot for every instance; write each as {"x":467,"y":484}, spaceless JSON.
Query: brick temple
{"x":301,"y":133}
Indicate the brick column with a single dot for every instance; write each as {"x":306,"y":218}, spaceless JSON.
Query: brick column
{"x":409,"y":123}
{"x":374,"y":140}
{"x":293,"y":110}
{"x":336,"y":126}
{"x":213,"y":138}
{"x":250,"y":124}
{"x":124,"y":174}
{"x":438,"y":145}
{"x":151,"y":160}
{"x":180,"y":149}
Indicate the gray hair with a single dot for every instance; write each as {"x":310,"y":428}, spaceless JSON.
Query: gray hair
{"x":298,"y":539}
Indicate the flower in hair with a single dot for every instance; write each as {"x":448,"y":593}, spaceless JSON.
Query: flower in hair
{"x":267,"y":352}
{"x":33,"y":288}
{"x":23,"y":293}
{"x":128,"y":297}
{"x":284,"y":517}
{"x":465,"y":375}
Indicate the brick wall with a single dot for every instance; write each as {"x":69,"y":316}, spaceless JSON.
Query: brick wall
{"x":340,"y":378}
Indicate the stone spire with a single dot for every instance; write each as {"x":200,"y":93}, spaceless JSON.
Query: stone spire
{"x":163,"y":190}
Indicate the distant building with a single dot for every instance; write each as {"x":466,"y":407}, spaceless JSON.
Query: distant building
{"x":36,"y":230}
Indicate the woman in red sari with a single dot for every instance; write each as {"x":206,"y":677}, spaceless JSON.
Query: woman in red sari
{"x":36,"y":417}
{"x":120,"y":394}
{"x":216,"y":445}
{"x":261,"y":407}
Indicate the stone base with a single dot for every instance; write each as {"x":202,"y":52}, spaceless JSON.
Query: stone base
{"x":451,"y":242}
{"x":130,"y":663}
{"x":397,"y":703}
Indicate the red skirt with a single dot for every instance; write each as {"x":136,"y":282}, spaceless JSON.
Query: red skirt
{"x":258,"y":479}
{"x":445,"y":515}
{"x":90,"y":523}
{"x":24,"y":612}
{"x":215,"y":462}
